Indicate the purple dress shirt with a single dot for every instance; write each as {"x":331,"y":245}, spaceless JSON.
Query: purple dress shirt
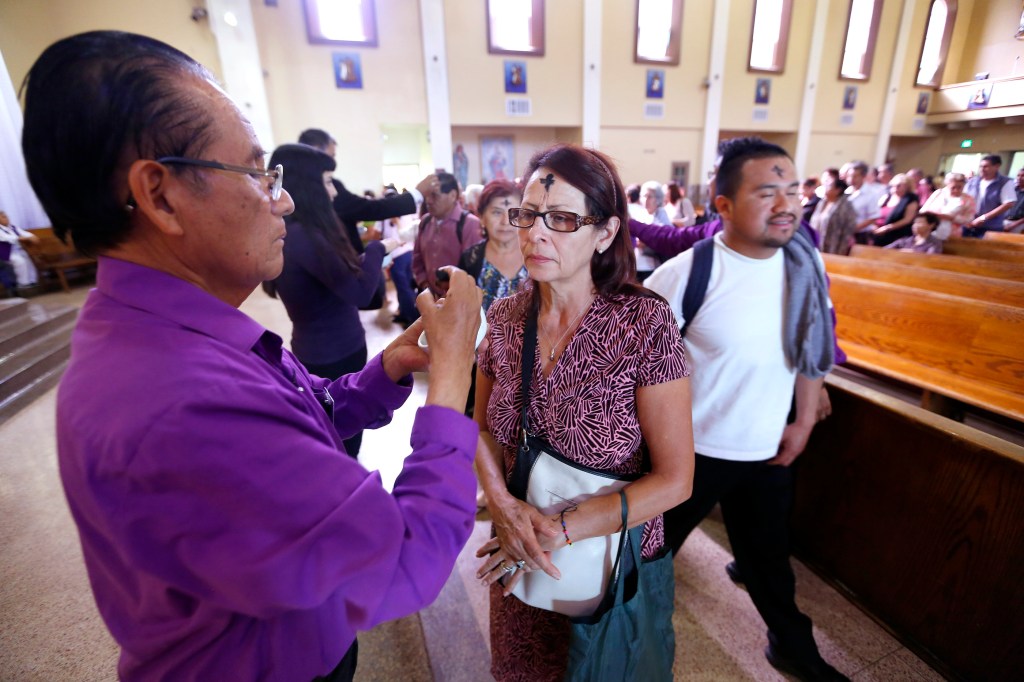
{"x":226,"y":533}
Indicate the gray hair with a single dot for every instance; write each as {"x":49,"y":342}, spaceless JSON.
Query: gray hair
{"x":655,"y":186}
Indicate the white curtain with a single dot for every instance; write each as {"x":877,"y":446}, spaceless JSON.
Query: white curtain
{"x":17,"y":199}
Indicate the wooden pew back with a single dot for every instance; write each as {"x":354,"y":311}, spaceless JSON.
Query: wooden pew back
{"x":941,"y":281}
{"x":52,"y":256}
{"x":959,"y":347}
{"x":920,"y":520}
{"x":969,"y":266}
{"x":1012,"y":237}
{"x":1010,"y":252}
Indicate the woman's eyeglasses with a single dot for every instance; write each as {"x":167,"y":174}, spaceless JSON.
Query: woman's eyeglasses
{"x":276,"y":174}
{"x":558,"y":221}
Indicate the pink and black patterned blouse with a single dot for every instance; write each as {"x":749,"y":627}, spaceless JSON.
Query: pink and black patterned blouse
{"x":586,"y":407}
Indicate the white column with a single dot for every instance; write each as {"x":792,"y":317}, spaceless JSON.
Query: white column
{"x":232,"y":25}
{"x":435,"y":66}
{"x":592,"y":20}
{"x":716,"y":73}
{"x":803,"y":131}
{"x":895,"y":75}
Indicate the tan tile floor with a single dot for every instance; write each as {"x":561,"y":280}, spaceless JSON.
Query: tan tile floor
{"x":50,"y":630}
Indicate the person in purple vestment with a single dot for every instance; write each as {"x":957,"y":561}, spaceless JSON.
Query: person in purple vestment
{"x":226,"y":533}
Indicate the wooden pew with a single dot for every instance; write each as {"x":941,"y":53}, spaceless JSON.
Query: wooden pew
{"x":970,"y":266}
{"x":961,"y":348}
{"x":1012,"y":237}
{"x":920,"y":521}
{"x":979,"y":248}
{"x":53,"y":257}
{"x":942,"y":281}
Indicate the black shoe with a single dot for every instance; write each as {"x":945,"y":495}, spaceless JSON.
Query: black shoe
{"x":806,"y":671}
{"x":733,"y":571}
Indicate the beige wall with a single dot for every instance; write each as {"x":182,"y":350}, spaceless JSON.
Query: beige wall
{"x":27,"y":27}
{"x":302,"y":92}
{"x":476,"y":80}
{"x":988,"y":40}
{"x":392,"y":104}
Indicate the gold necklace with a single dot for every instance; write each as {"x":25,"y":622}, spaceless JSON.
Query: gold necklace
{"x":551,"y":355}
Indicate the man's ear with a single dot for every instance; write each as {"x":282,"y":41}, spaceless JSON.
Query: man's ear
{"x":156,"y":193}
{"x":723,"y":205}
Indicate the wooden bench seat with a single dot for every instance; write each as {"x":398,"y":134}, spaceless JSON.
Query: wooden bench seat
{"x":53,"y":257}
{"x":1010,"y":252}
{"x":971,"y":266}
{"x":961,"y":348}
{"x":942,"y":281}
{"x":920,"y":521}
{"x":1012,"y":237}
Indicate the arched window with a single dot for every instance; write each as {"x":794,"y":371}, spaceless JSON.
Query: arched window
{"x":769,"y":35}
{"x":341,"y":22}
{"x":935,"y":46}
{"x":861,"y":34}
{"x":659,"y":24}
{"x":515,"y":27}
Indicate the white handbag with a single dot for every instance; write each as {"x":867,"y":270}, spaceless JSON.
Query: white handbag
{"x":548,"y":481}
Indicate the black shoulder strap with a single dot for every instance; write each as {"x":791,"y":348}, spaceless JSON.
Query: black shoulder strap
{"x":524,"y":457}
{"x":697,"y":285}
{"x":458,"y":226}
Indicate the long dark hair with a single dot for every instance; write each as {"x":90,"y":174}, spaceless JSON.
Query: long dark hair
{"x":304,"y":169}
{"x":594,"y":174}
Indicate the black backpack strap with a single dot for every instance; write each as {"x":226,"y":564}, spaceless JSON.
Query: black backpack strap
{"x":697,"y":285}
{"x":458,"y":226}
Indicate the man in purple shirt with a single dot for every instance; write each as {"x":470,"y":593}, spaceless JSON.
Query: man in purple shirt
{"x":226,"y":534}
{"x":444,"y":234}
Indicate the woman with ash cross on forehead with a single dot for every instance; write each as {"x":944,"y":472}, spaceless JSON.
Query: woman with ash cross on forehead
{"x":608,"y":390}
{"x":496,"y":263}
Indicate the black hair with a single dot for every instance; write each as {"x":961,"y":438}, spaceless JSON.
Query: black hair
{"x":448,"y":182}
{"x":94,"y":104}
{"x":315,"y":137}
{"x":633,"y":193}
{"x":994,"y":159}
{"x":932,"y":219}
{"x":304,"y":168}
{"x":737,"y":151}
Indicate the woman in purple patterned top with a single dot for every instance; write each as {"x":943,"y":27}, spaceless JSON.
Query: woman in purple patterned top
{"x":609,"y":390}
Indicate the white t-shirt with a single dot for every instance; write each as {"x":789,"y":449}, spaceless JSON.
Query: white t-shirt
{"x":1007,"y":193}
{"x":864,"y":201}
{"x":741,"y":382}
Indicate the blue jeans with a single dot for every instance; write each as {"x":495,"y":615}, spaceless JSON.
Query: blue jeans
{"x":405,"y":288}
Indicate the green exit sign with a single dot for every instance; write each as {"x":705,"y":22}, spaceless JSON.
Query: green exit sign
{"x":966,"y":143}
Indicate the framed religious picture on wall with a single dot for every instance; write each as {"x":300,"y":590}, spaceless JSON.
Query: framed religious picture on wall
{"x":922,"y":103}
{"x":850,"y":97}
{"x":655,"y":83}
{"x":497,"y":157}
{"x":515,"y":76}
{"x":348,"y":73}
{"x":763,"y":91}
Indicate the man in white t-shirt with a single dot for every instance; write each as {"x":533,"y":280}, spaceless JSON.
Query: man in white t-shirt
{"x":743,"y":386}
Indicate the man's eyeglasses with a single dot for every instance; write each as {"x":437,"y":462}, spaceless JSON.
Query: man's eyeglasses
{"x":558,"y":221}
{"x":276,"y":174}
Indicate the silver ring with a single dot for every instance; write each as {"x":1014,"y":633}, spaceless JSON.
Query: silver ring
{"x":520,"y":563}
{"x":510,"y":568}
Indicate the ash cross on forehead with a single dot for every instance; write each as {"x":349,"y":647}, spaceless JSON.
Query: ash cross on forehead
{"x":777,"y":169}
{"x":548,"y":181}
{"x":507,"y":202}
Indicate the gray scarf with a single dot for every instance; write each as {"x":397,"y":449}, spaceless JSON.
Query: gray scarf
{"x":807,"y":328}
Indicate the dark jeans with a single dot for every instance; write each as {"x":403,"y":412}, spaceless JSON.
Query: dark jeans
{"x":347,"y":365}
{"x":346,"y":670}
{"x":756,"y":500}
{"x":405,"y":288}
